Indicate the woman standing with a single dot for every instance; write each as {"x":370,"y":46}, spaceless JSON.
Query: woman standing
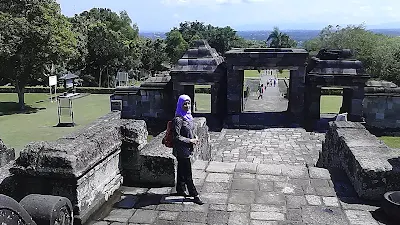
{"x":183,"y":142}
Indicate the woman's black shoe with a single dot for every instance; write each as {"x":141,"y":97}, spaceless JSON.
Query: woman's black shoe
{"x":198,"y":201}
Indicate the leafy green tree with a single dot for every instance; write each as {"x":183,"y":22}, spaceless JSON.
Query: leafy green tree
{"x":33,"y":35}
{"x":379,"y":53}
{"x":108,"y":38}
{"x":106,"y":49}
{"x":220,"y":38}
{"x":153,"y":55}
{"x":176,"y":46}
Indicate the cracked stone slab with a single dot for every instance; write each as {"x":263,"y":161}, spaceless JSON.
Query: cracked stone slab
{"x":211,"y":187}
{"x":357,"y":217}
{"x":218,"y":177}
{"x":313,"y":199}
{"x":331,"y":201}
{"x":133,"y":190}
{"x":143,"y":216}
{"x":120,"y":215}
{"x":269,"y":169}
{"x":323,"y":215}
{"x":274,"y":216}
{"x":160,"y":191}
{"x":295,"y":171}
{"x":238,"y":208}
{"x":245,"y":167}
{"x":192,"y":217}
{"x":241,"y":197}
{"x":237,"y":218}
{"x":267,"y":208}
{"x":215,"y":198}
{"x":244,"y":184}
{"x":220,"y":167}
{"x":271,"y":198}
{"x":200,"y":165}
{"x":168,"y":215}
{"x":319,"y":173}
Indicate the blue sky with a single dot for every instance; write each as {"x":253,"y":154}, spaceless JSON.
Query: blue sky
{"x":162,"y":15}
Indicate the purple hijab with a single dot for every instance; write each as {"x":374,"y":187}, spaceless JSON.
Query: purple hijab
{"x":179,"y":111}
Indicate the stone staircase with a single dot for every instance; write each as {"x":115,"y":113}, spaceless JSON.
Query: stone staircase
{"x":248,"y":193}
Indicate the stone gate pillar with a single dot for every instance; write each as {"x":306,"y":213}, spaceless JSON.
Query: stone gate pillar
{"x":356,"y":111}
{"x":234,"y":90}
{"x":189,"y":90}
{"x":214,"y":98}
{"x":314,"y":106}
{"x":296,"y":93}
{"x":347,"y":98}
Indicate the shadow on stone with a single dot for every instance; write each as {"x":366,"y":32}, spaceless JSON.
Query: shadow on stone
{"x":380,"y":216}
{"x":148,"y":200}
{"x":342,"y":185}
{"x":127,"y":203}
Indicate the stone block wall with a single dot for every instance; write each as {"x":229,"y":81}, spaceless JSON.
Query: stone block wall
{"x":6,"y":154}
{"x":371,"y":166}
{"x":154,"y":164}
{"x":382,"y":107}
{"x":144,"y":104}
{"x":83,"y":166}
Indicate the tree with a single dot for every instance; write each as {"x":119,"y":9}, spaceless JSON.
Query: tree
{"x":109,"y":39}
{"x":176,"y":46}
{"x":379,"y":54}
{"x":106,"y":49}
{"x":280,"y":40}
{"x":34,"y":34}
{"x":220,"y":38}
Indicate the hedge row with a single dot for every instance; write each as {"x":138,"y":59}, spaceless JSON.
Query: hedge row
{"x":323,"y":91}
{"x":97,"y":90}
{"x":91,"y":90}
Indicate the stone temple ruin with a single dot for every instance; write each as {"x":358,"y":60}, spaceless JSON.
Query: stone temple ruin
{"x":87,"y":167}
{"x":155,"y":99}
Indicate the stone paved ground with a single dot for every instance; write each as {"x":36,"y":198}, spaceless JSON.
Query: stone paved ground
{"x":292,"y":146}
{"x":250,"y":194}
{"x":272,"y":100}
{"x":256,"y":177}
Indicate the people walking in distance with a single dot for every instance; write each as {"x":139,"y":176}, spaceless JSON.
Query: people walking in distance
{"x":260,"y":91}
{"x":184,"y":140}
{"x":274,"y":82}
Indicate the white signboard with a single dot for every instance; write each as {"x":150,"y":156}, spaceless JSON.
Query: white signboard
{"x":121,"y":76}
{"x":52,"y":81}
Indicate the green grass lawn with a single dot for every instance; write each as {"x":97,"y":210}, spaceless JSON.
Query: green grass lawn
{"x":330,"y":103}
{"x":251,"y":74}
{"x":392,"y":142}
{"x":16,"y":130}
{"x":284,"y":74}
{"x":203,"y":102}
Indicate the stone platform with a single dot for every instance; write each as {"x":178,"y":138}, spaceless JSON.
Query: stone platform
{"x":292,"y":146}
{"x":248,"y":193}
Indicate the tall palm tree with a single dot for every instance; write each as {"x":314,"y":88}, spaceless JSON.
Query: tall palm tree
{"x":280,"y":40}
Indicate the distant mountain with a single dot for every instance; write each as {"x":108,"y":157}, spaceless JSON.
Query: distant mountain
{"x":299,"y":35}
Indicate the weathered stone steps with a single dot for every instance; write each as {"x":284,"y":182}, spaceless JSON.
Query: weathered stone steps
{"x":249,"y":193}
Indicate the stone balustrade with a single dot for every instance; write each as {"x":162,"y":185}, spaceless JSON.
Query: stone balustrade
{"x":83,"y":166}
{"x":371,"y":166}
{"x":154,"y":164}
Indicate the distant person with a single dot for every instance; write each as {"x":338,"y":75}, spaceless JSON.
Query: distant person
{"x":260,"y":91}
{"x":274,"y":82}
{"x":184,"y":140}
